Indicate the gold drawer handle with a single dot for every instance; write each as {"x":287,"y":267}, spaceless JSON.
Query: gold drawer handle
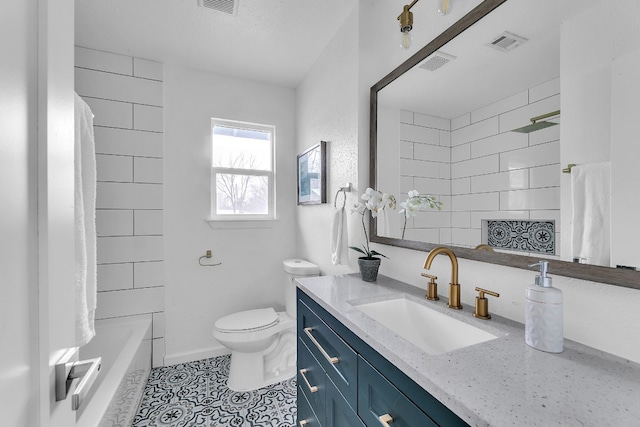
{"x":303,"y":423}
{"x":331,"y":360}
{"x":385,"y":420}
{"x":312,"y":388}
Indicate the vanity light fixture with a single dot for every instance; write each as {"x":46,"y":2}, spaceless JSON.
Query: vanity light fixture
{"x":444,"y":7}
{"x":406,"y":24}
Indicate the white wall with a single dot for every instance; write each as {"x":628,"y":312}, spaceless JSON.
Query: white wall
{"x":590,"y":44}
{"x":597,"y":315}
{"x":125,"y":96}
{"x":327,"y":110}
{"x":251,"y":274}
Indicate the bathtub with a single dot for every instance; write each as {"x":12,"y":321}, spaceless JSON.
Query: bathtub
{"x":125,"y":347}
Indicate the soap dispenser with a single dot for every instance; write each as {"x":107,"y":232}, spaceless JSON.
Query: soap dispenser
{"x":543,"y":316}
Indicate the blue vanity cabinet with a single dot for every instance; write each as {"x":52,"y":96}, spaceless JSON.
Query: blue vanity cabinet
{"x":306,"y":416}
{"x":311,"y":381}
{"x":339,"y":413}
{"x":359,"y":381}
{"x":335,"y":356}
{"x":378,"y":398}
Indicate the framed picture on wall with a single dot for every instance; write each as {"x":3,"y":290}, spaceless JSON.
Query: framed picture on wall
{"x":312,"y":171}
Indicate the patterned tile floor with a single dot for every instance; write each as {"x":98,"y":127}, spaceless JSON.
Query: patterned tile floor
{"x":196,"y":394}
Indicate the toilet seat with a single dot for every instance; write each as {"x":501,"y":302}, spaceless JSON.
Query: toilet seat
{"x":248,"y":321}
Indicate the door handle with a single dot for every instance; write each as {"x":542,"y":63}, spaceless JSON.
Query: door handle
{"x":78,"y":375}
{"x":385,"y":420}
{"x":312,"y":388}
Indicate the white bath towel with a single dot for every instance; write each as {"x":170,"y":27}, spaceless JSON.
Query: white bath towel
{"x":85,"y":223}
{"x":591,"y":226}
{"x":338,"y":242}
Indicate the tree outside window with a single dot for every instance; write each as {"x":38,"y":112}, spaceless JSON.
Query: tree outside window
{"x":242,"y":170}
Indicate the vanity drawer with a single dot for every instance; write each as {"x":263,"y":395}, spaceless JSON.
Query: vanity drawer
{"x":336,"y":357}
{"x":339,"y":412}
{"x":306,"y":416}
{"x":378,"y":397}
{"x":311,"y":380}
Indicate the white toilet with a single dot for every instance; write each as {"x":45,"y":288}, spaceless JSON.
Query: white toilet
{"x":263,"y":341}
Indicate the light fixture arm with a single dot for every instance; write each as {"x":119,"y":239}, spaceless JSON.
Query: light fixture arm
{"x":411,"y":5}
{"x":545,"y":116}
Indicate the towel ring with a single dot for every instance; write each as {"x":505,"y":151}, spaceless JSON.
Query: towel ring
{"x":208,"y":255}
{"x":335,"y":199}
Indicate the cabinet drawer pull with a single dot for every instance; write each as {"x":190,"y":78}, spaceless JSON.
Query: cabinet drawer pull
{"x":312,"y":388}
{"x":303,"y":423}
{"x":332,"y":360}
{"x":385,"y":420}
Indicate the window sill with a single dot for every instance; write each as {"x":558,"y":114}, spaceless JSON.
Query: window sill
{"x":240,"y":224}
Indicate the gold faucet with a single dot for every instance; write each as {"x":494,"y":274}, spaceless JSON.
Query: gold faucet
{"x":454,"y":286}
{"x":484,"y":247}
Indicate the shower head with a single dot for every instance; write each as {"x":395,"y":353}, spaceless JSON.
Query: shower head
{"x":536,"y":125}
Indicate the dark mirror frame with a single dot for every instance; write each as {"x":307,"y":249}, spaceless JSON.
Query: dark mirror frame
{"x":613,"y":276}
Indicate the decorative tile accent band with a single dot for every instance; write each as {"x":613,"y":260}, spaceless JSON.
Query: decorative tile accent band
{"x":529,"y":236}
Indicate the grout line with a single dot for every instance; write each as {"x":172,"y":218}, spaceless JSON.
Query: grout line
{"x":122,"y":102}
{"x":134,"y":130}
{"x":118,"y":74}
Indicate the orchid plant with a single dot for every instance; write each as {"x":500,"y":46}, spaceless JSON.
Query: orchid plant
{"x":373,"y":201}
{"x":414,"y":203}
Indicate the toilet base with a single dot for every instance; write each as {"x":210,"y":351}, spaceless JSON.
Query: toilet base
{"x":251,"y":371}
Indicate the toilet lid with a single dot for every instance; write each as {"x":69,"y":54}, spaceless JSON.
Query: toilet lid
{"x":248,"y":320}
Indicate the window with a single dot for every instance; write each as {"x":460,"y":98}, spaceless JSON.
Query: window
{"x":242,"y":171}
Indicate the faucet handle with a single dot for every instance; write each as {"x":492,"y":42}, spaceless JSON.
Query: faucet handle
{"x":432,"y":287}
{"x":482,"y":304}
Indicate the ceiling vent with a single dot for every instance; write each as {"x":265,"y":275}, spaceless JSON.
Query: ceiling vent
{"x":506,"y":42}
{"x":436,"y":60}
{"x":229,"y":7}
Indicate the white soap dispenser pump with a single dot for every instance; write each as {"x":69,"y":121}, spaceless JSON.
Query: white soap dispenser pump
{"x":543,"y":317}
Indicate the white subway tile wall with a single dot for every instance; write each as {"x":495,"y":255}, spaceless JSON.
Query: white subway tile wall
{"x":482,"y":170}
{"x":126,"y":97}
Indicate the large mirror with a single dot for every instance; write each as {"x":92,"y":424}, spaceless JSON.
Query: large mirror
{"x":456,"y":121}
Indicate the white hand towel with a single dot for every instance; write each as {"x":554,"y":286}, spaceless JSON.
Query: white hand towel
{"x":85,"y":223}
{"x":337,"y":243}
{"x":591,"y":227}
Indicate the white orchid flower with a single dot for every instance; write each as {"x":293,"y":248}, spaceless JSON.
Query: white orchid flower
{"x":373,"y":201}
{"x":414,"y":203}
{"x":409,"y":209}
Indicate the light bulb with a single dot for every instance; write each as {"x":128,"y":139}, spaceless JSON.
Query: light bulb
{"x":444,"y":7}
{"x":405,"y":39}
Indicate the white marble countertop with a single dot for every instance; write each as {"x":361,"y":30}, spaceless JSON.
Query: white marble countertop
{"x":502,"y":382}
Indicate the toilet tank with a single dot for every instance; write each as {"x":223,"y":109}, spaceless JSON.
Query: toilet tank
{"x":296,"y":268}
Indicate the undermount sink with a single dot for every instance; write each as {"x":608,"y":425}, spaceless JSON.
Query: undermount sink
{"x":432,"y":331}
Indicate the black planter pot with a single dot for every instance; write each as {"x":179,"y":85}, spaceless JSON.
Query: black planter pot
{"x":369,"y":268}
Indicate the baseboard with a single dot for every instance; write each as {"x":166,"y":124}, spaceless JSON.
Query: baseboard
{"x":191,"y":356}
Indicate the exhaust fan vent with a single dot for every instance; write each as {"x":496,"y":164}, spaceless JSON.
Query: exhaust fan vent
{"x":436,"y":60}
{"x":506,"y":42}
{"x":225,"y":6}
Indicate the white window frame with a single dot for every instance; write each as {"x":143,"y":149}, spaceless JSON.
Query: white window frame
{"x":269,"y":174}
